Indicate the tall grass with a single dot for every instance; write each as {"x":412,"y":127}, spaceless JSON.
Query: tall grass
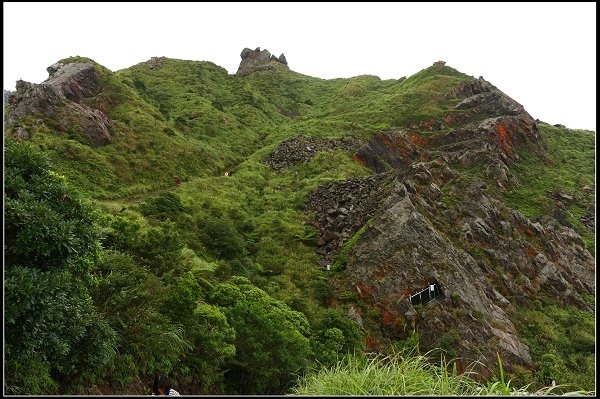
{"x":408,"y":374}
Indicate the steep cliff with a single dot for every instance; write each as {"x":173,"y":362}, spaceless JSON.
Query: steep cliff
{"x":437,"y":224}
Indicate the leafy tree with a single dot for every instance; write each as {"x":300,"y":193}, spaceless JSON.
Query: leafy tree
{"x":120,"y":233}
{"x":202,"y":369}
{"x":353,"y":337}
{"x":226,"y":295}
{"x":220,"y":237}
{"x":53,"y":334}
{"x":132,"y":301}
{"x":327,"y":346}
{"x":272,"y":346}
{"x":159,"y":250}
{"x":334,"y":336}
{"x":47,"y":226}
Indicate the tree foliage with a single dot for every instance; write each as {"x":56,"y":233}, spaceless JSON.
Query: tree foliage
{"x":335,"y":336}
{"x":220,"y":237}
{"x":272,"y":345}
{"x":52,"y":330}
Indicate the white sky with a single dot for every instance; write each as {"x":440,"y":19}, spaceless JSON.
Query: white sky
{"x":543,"y":55}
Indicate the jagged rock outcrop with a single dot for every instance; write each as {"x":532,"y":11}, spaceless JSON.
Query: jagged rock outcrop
{"x":257,"y":60}
{"x":589,"y":218}
{"x":396,"y":149}
{"x":433,"y":225}
{"x":61,"y":99}
{"x":417,"y":239}
{"x":403,"y":251}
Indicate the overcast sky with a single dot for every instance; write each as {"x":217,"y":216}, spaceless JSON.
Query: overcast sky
{"x":543,"y":55}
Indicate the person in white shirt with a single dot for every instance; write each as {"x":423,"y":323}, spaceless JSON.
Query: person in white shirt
{"x":162,"y":386}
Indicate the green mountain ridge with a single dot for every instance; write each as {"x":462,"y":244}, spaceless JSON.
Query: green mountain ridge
{"x":220,"y":200}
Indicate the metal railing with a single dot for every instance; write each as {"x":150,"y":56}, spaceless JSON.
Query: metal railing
{"x":432,"y":291}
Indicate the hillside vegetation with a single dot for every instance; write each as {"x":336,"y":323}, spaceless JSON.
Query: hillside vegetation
{"x":177,"y":248}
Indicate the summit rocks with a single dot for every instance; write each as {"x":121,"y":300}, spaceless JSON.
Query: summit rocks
{"x":257,"y":60}
{"x":62,"y":99}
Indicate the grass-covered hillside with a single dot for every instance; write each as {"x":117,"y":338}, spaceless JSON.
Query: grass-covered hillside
{"x":181,"y":251}
{"x":562,"y":184}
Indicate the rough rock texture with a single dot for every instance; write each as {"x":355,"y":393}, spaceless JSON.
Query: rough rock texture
{"x":7,"y":95}
{"x":302,"y":149}
{"x":343,"y":208}
{"x":430,"y":224}
{"x":417,"y":240}
{"x":395,"y":149}
{"x":155,"y":62}
{"x":61,"y":98}
{"x":589,"y":219}
{"x":257,"y":60}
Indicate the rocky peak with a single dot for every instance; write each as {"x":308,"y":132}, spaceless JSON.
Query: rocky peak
{"x":257,"y":60}
{"x":155,"y":62}
{"x":74,"y":81}
{"x":61,"y":98}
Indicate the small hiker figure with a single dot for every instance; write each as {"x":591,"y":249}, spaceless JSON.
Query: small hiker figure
{"x":162,"y":386}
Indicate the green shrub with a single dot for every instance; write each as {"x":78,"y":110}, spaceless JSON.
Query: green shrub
{"x":166,"y":205}
{"x":132,"y":300}
{"x":53,"y":333}
{"x":159,"y":250}
{"x":220,"y":237}
{"x":562,"y":345}
{"x":272,"y":346}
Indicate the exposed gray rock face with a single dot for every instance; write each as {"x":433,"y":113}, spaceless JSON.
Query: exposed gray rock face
{"x":257,"y":60}
{"x":429,"y":224}
{"x":589,"y":218}
{"x":392,"y":149}
{"x":61,"y":98}
{"x":408,"y":246}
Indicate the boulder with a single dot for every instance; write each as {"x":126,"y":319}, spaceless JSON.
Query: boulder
{"x":282,"y":59}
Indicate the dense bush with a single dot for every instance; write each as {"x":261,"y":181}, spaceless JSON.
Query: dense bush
{"x":220,"y":237}
{"x":53,"y":333}
{"x":272,"y":345}
{"x":164,"y":206}
{"x":335,"y":336}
